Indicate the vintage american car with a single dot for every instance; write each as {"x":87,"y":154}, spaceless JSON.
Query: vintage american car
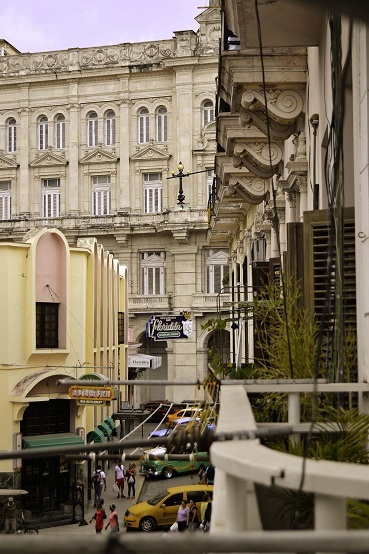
{"x":168,"y":468}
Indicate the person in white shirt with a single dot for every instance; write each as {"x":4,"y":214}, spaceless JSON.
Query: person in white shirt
{"x":119,"y":478}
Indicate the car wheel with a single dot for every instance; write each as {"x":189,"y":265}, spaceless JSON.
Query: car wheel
{"x":168,"y":472}
{"x":147,"y":524}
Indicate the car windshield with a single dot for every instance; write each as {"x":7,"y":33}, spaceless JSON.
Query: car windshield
{"x":158,"y":498}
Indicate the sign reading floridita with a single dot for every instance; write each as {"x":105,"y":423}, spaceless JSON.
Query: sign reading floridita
{"x":91,"y":395}
{"x":164,"y":327}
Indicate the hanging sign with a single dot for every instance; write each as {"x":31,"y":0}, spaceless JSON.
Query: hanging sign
{"x":91,"y":395}
{"x":165,"y":327}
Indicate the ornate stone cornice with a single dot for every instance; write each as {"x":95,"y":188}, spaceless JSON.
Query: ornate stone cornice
{"x":252,"y":189}
{"x":99,"y":155}
{"x":257,"y":157}
{"x":49,"y":158}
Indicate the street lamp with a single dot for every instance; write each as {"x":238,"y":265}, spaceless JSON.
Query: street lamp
{"x":180,"y":175}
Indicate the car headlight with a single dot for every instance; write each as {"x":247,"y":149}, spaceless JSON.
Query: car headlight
{"x":127,"y":514}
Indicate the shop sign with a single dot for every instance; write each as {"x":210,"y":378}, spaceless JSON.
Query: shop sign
{"x":165,"y":327}
{"x":91,"y":395}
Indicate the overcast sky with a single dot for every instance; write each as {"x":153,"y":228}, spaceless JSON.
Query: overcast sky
{"x":41,"y":25}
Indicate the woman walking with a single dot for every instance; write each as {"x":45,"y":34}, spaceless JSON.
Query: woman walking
{"x":194,"y":517}
{"x":131,"y":480}
{"x":183,"y":516}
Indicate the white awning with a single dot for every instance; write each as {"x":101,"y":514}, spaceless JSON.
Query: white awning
{"x":144,"y":361}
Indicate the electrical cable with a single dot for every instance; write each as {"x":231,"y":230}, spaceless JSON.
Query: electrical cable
{"x":275,"y":220}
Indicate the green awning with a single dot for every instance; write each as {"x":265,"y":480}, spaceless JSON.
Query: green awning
{"x":95,"y":436}
{"x":110,"y":421}
{"x":49,"y":441}
{"x":104,"y":427}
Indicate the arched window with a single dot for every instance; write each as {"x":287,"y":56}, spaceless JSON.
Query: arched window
{"x":143,"y":125}
{"x":43,"y":133}
{"x":207,"y":112}
{"x":152,"y":266}
{"x":109,"y":128}
{"x":161,"y":124}
{"x":11,"y":135}
{"x":59,"y":128}
{"x":92,"y":129}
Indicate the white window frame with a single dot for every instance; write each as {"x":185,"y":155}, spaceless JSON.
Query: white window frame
{"x":152,"y":270}
{"x":92,"y":129}
{"x":11,"y":135}
{"x":207,"y":112}
{"x":109,"y":128}
{"x":216,"y":268}
{"x":153,"y":193}
{"x":209,"y":181}
{"x":59,"y":124}
{"x":162,"y":124}
{"x":43,"y":133}
{"x":143,"y":125}
{"x":50,"y":198}
{"x":5,"y":200}
{"x":101,"y":195}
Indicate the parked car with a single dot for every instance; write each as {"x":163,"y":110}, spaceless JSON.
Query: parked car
{"x":190,"y":411}
{"x":162,"y":407}
{"x":168,"y":468}
{"x":162,"y":510}
{"x":161,"y":432}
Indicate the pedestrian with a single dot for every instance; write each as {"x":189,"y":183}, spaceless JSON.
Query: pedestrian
{"x":113,"y":520}
{"x":194,"y":518}
{"x":119,"y":478}
{"x":207,"y":516}
{"x":203,"y":506}
{"x":114,"y":438}
{"x":210,"y":475}
{"x":99,"y":517}
{"x":131,"y":480}
{"x":201,"y":474}
{"x":99,"y":483}
{"x":183,"y":516}
{"x":10,"y":516}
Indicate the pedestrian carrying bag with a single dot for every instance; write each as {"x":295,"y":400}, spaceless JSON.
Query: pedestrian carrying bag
{"x":116,"y":488}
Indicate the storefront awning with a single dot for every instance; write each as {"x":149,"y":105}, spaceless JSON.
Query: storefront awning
{"x":104,"y":427}
{"x":110,"y":422}
{"x":49,"y":441}
{"x":144,"y":361}
{"x":95,"y":436}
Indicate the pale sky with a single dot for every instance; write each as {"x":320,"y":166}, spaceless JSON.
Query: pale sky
{"x":42,"y":25}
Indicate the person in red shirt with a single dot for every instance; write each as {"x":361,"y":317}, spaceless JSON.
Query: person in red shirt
{"x":99,"y":517}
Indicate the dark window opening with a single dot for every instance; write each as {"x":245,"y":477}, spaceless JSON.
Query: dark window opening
{"x":121,"y":328}
{"x":47,"y":329}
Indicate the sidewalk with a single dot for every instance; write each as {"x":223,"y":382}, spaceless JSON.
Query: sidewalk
{"x":109,"y":497}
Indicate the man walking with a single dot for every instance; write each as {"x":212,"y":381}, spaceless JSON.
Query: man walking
{"x":10,"y":516}
{"x":99,"y":481}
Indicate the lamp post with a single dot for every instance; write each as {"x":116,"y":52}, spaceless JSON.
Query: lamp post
{"x":180,"y":175}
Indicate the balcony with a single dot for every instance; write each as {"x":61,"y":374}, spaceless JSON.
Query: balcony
{"x":209,"y":302}
{"x":149,"y":304}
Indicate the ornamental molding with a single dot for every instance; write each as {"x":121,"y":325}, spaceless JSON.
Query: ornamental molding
{"x":49,"y":159}
{"x":284,"y":106}
{"x":277,"y":130}
{"x":258,"y":157}
{"x":6,"y":162}
{"x":151,"y":152}
{"x":252,"y":189}
{"x":99,"y":155}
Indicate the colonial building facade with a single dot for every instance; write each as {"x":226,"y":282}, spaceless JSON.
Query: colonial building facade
{"x":89,"y":139}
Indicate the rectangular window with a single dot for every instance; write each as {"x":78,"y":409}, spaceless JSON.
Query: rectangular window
{"x":152,"y":273}
{"x":217,"y":269}
{"x":43,"y":136}
{"x":47,"y":331}
{"x":5,"y":200}
{"x":51,"y":198}
{"x":101,"y":198}
{"x":60,"y":134}
{"x":152,"y":192}
{"x":209,"y":181}
{"x":121,"y":328}
{"x":92,"y":132}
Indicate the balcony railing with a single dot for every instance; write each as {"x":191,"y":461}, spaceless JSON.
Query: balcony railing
{"x":140,"y":303}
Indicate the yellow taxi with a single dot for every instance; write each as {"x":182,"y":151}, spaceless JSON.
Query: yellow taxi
{"x":162,"y":510}
{"x":189,"y":412}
